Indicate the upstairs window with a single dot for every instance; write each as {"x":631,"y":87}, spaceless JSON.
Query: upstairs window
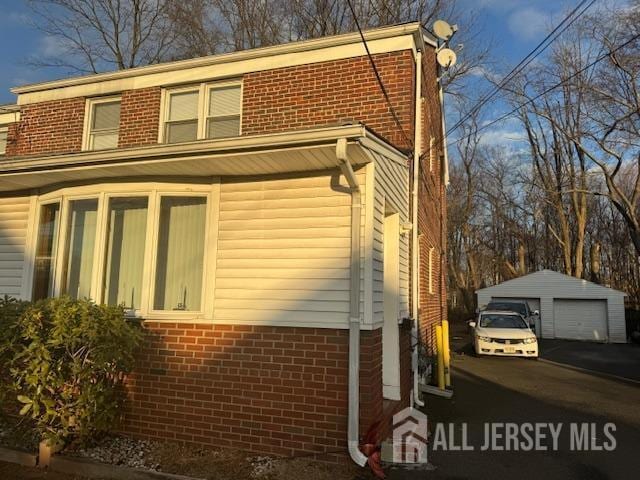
{"x":103,"y":123}
{"x":3,"y":140}
{"x":223,"y":116}
{"x":182,"y":121}
{"x":206,"y":111}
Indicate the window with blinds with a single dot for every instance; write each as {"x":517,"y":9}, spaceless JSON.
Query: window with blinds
{"x":162,"y":233}
{"x":3,"y":140}
{"x":203,"y":111}
{"x":182,"y":119}
{"x":104,"y":124}
{"x":223,"y":115}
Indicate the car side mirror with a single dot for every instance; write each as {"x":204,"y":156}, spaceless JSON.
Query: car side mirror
{"x":472,"y":324}
{"x":477,"y":311}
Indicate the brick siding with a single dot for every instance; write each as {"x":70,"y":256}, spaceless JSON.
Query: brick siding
{"x":139,"y":117}
{"x":272,"y":390}
{"x":327,"y":93}
{"x":48,"y":128}
{"x":431,"y":210}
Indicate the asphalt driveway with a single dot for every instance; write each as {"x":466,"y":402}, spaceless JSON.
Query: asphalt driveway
{"x":524,"y":391}
{"x":622,"y":360}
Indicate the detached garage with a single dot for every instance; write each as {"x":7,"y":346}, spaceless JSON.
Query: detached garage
{"x":569,"y":307}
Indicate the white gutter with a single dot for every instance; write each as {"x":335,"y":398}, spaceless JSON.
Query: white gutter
{"x":417,"y":143}
{"x":353,"y":440}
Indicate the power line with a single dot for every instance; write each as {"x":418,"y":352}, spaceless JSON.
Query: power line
{"x":536,"y":52}
{"x":551,"y":88}
{"x":378,"y":77}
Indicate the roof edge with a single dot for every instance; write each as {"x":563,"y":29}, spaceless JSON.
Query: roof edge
{"x":414,"y":28}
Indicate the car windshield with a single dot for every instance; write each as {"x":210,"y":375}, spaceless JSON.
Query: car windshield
{"x":499,"y":320}
{"x":520,"y":308}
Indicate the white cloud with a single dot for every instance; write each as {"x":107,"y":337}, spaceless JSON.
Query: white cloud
{"x":528,"y":23}
{"x":52,"y":46}
{"x":507,"y":133}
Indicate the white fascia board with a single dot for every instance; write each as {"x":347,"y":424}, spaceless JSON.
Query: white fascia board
{"x":229,"y":65}
{"x":9,"y":115}
{"x":238,"y":144}
{"x":314,"y":136}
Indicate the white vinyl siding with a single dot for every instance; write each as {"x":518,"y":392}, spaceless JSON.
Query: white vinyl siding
{"x":14,"y":220}
{"x":391,"y":193}
{"x":284,"y":251}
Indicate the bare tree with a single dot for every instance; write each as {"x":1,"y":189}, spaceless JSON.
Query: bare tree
{"x":96,"y":35}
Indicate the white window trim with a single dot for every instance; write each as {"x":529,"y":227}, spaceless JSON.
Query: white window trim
{"x":4,"y":128}
{"x":153,"y":191}
{"x":204,"y":91}
{"x":88,"y":118}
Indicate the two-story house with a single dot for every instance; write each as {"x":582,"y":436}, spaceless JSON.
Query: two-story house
{"x":276,"y":223}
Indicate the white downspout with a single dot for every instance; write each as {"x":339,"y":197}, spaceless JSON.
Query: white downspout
{"x":417,"y":143}
{"x":353,"y":440}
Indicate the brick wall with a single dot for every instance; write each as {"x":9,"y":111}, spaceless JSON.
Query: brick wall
{"x":431,"y":209}
{"x":48,"y":128}
{"x":139,"y":117}
{"x":306,"y":96}
{"x":326,"y":93}
{"x":274,"y":390}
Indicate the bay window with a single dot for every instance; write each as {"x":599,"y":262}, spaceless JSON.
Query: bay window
{"x":178,"y":283}
{"x":124,"y":259}
{"x":144,"y":251}
{"x":45,"y":253}
{"x":202,"y":111}
{"x":81,"y":237}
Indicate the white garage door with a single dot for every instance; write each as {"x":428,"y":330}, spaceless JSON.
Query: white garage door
{"x":580,"y":319}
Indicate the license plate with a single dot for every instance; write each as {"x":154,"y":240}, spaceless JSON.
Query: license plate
{"x":509,"y":349}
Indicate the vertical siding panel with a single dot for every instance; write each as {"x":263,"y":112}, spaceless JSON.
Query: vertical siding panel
{"x":14,"y":223}
{"x":392,"y":191}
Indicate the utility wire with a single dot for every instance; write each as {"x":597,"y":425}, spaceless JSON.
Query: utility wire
{"x":535,"y":53}
{"x":550,"y":89}
{"x":379,"y":78}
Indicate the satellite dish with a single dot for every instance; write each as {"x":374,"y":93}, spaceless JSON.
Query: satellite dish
{"x":446,"y":58}
{"x":443,"y":30}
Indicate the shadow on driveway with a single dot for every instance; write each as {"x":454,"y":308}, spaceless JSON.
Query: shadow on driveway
{"x":622,"y":360}
{"x":522,"y":391}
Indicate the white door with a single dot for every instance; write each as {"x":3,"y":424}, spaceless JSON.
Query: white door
{"x":390,"y":332}
{"x":580,"y":319}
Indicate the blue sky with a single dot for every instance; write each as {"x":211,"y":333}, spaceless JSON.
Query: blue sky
{"x":515,"y":25}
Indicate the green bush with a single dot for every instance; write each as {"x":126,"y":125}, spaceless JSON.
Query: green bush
{"x":69,"y":366}
{"x":10,"y":311}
